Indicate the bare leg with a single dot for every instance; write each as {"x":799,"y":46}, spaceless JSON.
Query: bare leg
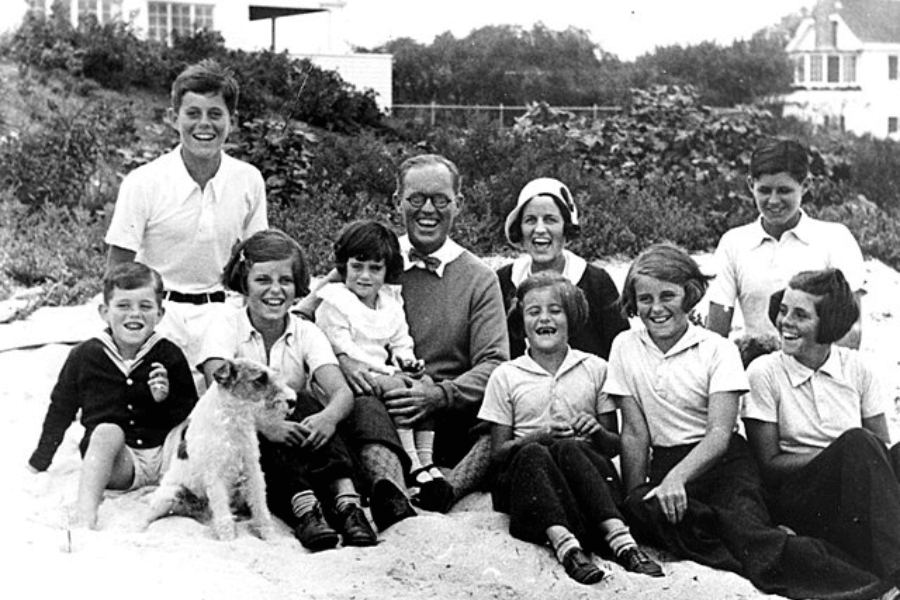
{"x":107,"y":464}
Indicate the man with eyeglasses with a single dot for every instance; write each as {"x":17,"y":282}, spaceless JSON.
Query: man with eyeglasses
{"x":457,"y":320}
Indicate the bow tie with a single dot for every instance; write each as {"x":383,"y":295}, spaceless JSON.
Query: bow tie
{"x":424,"y":261}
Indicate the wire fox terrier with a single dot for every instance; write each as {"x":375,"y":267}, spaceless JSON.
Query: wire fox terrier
{"x":218,"y":458}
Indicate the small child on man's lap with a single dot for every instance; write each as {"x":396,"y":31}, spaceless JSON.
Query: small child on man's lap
{"x":364,"y":319}
{"x":133,"y":388}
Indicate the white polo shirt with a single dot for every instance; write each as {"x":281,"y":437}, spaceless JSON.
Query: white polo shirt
{"x":673,"y":388}
{"x":184,"y":232}
{"x":813,"y":408}
{"x":522,"y":394}
{"x":751,"y":265}
{"x":298,"y":353}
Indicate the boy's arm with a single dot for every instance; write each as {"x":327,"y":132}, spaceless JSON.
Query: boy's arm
{"x":117,"y":256}
{"x":64,"y":405}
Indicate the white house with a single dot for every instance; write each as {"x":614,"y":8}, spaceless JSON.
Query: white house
{"x":306,"y":29}
{"x":846,"y":66}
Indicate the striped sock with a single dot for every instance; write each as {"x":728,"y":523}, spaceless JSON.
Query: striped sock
{"x":618,"y":536}
{"x":562,"y":540}
{"x":342,"y":501}
{"x":303,"y":502}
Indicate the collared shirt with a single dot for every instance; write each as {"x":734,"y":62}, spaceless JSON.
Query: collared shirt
{"x":523,"y":395}
{"x":371,"y":335}
{"x":296,"y":355}
{"x":573,"y":270}
{"x":447,"y":253}
{"x":752,"y":265}
{"x":673,"y":388}
{"x":813,"y":408}
{"x":184,"y":232}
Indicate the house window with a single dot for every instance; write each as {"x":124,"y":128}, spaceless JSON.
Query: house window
{"x":105,"y":10}
{"x":834,"y":69}
{"x":800,"y":69}
{"x":892,"y":68}
{"x":849,"y":69}
{"x":815,"y":67}
{"x":892,"y":124}
{"x":164,"y":18}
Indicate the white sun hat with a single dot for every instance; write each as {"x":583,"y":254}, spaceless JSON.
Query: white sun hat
{"x":543,"y":186}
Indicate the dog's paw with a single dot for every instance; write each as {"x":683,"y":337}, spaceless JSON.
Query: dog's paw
{"x":225,"y":531}
{"x":264,"y":529}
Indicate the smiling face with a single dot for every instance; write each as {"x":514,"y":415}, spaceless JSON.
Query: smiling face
{"x":428,"y":227}
{"x":546,"y":324}
{"x":798,"y":324}
{"x":270,"y":292}
{"x":543,"y":233}
{"x":365,"y":278}
{"x":778,"y":197}
{"x":132,"y":315}
{"x":203,"y":123}
{"x":660,"y":305}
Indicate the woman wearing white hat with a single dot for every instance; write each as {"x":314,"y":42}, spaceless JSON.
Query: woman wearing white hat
{"x":544,"y":219}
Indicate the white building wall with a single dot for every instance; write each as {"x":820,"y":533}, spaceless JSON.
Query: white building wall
{"x":364,"y":71}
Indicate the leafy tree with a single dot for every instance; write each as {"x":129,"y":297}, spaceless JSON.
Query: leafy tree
{"x":505,"y":64}
{"x":744,"y":72}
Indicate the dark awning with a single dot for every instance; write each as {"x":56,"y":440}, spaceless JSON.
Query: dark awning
{"x":258,"y":13}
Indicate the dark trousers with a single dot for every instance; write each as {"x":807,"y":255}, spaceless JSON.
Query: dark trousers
{"x":289,"y":470}
{"x":727,"y":526}
{"x":564,"y":482}
{"x":850,"y":496}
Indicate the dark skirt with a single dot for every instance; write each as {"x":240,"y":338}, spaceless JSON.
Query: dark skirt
{"x":564,"y":482}
{"x":289,"y":470}
{"x":850,"y":496}
{"x":727,"y":526}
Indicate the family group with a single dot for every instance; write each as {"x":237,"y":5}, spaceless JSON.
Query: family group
{"x":423,"y":375}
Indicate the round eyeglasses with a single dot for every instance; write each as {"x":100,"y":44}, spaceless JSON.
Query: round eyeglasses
{"x":418,"y":200}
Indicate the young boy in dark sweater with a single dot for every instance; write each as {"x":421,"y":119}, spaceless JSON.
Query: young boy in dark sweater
{"x":133,"y":388}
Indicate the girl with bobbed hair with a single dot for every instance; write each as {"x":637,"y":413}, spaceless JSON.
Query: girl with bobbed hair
{"x":543,"y":221}
{"x":815,"y":418}
{"x":692,"y":485}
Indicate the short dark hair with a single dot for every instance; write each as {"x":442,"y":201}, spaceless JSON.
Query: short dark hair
{"x":836,"y":304}
{"x":573,"y":301}
{"x":427,"y":160}
{"x":666,"y":262}
{"x":206,"y":77}
{"x":369,"y":240}
{"x":132,"y":275}
{"x":265,"y":246}
{"x":780,"y":156}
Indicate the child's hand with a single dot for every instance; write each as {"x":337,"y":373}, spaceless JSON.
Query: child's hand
{"x":159,"y":382}
{"x":561,"y":429}
{"x":673,"y":498}
{"x":412,"y":367}
{"x":585,"y":425}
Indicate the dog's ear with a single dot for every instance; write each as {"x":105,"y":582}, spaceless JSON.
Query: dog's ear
{"x":225,"y":374}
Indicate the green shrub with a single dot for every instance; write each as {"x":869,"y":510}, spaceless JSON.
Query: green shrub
{"x":58,"y":248}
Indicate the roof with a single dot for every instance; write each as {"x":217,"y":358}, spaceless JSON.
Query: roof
{"x":875,"y":21}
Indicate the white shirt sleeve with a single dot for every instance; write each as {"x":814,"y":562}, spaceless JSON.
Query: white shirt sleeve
{"x":497,"y":404}
{"x":130,"y":216}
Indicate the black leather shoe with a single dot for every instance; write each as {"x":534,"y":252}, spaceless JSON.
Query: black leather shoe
{"x":436,"y":495}
{"x":580,"y":568}
{"x":314,"y":533}
{"x":636,"y":560}
{"x":389,"y":505}
{"x":354,"y":527}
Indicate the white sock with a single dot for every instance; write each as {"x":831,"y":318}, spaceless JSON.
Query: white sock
{"x":408,"y":441}
{"x":425,"y":448}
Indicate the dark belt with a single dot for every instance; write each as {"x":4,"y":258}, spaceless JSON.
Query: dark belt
{"x":195,"y":298}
